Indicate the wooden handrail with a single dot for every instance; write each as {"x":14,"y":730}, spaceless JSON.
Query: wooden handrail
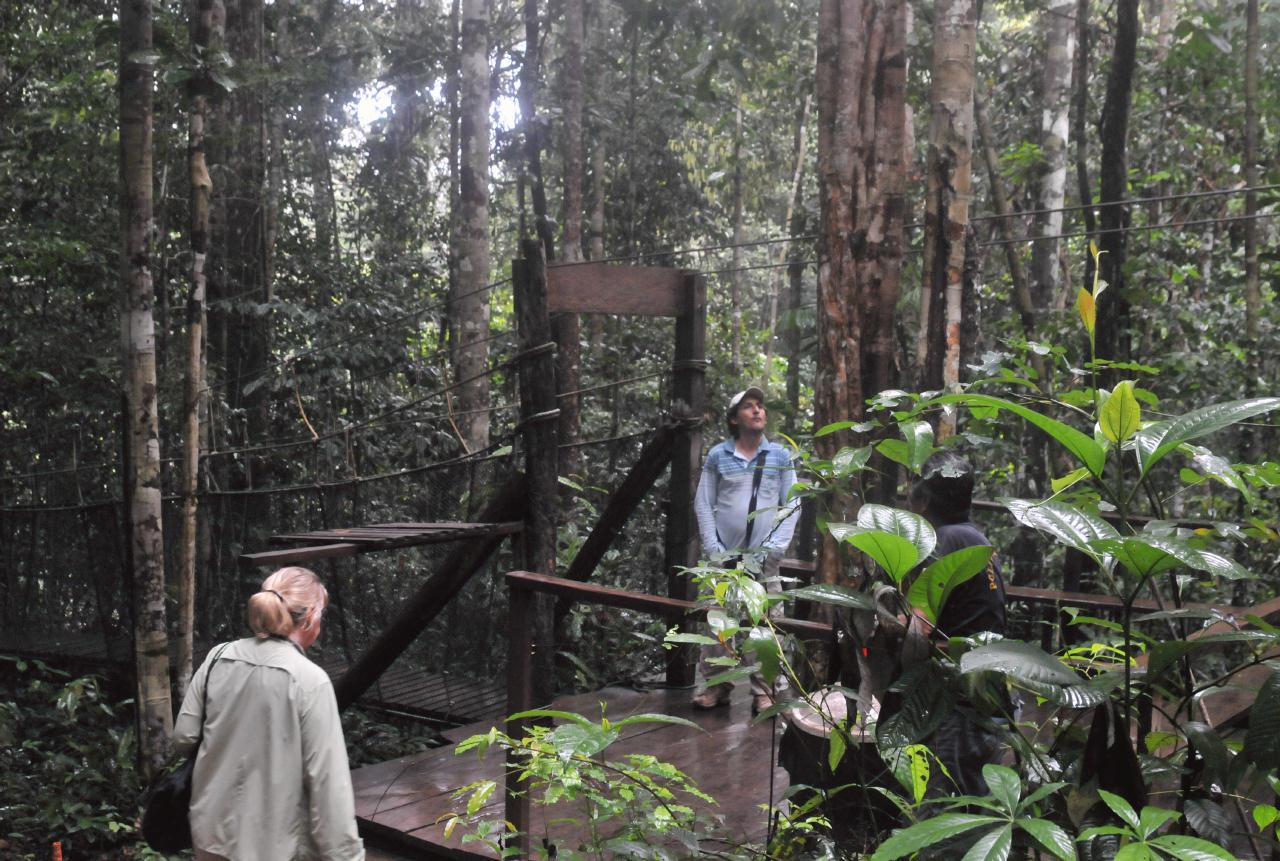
{"x":658,"y":605}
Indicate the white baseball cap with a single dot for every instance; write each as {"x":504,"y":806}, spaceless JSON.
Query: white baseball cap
{"x":749,"y":392}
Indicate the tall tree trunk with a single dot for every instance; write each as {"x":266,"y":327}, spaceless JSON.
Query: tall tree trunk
{"x":1080,"y":113}
{"x":1059,"y":34}
{"x":794,"y":203}
{"x":150,"y":636}
{"x":246,"y":257}
{"x":950,"y":161}
{"x":736,"y":277}
{"x":1252,"y":293}
{"x":860,"y":86}
{"x":1113,"y":305}
{"x":595,"y":221}
{"x":469,"y":304}
{"x":533,"y":127}
{"x":566,"y":327}
{"x":206,"y":40}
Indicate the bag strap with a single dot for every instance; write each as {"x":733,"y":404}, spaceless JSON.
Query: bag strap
{"x":204,"y":695}
{"x":758,"y":465}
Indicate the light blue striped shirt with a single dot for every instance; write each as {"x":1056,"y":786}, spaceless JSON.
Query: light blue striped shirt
{"x":724,"y":495}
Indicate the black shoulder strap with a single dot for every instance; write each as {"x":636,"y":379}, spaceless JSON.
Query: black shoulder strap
{"x":204,"y":695}
{"x":758,"y":465}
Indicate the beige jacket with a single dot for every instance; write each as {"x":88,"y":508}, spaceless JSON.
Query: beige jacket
{"x":271,"y":779}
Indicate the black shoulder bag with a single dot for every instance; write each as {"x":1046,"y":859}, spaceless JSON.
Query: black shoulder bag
{"x":167,"y":800}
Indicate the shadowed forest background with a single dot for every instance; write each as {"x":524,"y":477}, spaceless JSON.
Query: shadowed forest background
{"x":255,"y":276}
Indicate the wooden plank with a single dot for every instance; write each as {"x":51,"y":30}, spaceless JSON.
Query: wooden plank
{"x":658,"y":605}
{"x":296,"y":555}
{"x":600,"y":288}
{"x":401,"y":536}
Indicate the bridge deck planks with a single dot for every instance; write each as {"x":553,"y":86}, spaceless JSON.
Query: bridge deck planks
{"x":409,"y":798}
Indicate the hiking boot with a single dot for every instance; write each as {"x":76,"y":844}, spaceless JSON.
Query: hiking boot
{"x":713,"y":697}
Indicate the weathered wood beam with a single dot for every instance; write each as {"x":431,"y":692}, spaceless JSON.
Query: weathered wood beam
{"x":425,"y":604}
{"x":657,"y":605}
{"x":688,"y":396}
{"x":653,"y":459}
{"x":539,"y":432}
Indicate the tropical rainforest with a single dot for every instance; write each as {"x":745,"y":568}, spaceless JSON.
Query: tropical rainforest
{"x":266,"y":268}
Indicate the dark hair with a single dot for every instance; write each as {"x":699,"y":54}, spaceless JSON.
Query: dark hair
{"x":945,"y":488}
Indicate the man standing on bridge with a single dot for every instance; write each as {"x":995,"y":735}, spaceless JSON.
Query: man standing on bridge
{"x":744,"y":512}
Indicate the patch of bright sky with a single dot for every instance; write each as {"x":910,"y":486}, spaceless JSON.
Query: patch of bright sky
{"x":373,"y":101}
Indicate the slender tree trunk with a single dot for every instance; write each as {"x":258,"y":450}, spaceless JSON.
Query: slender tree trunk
{"x":736,"y":277}
{"x":206,"y":39}
{"x":595,"y":222}
{"x":151,"y":641}
{"x":1059,"y":33}
{"x":1252,"y":292}
{"x":1080,"y":113}
{"x":469,"y":305}
{"x":533,"y":127}
{"x":950,"y":160}
{"x":567,"y":328}
{"x":861,"y":75}
{"x":796,"y":200}
{"x":1000,"y":197}
{"x":1113,"y":305}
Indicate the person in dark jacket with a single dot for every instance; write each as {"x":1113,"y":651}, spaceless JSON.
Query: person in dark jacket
{"x":964,"y":742}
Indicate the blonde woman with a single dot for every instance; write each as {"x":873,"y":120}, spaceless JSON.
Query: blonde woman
{"x":271,"y":778}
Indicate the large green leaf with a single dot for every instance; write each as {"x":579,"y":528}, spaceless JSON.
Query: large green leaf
{"x":1191,"y":848}
{"x":1262,"y":741}
{"x":895,"y":554}
{"x":909,"y":525}
{"x":1004,"y":785}
{"x":1077,"y":443}
{"x":1082,"y":696}
{"x":1121,"y":416}
{"x":930,"y":591}
{"x":1158,"y":439}
{"x":1149,"y":555}
{"x":1068,"y":524}
{"x":1020,"y":661}
{"x":1051,"y":837}
{"x":919,"y":438}
{"x":911,"y":840}
{"x":992,"y":846}
{"x":833,"y":593}
{"x":1137,"y":556}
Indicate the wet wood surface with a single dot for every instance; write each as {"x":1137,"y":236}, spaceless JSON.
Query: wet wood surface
{"x":410,"y":799}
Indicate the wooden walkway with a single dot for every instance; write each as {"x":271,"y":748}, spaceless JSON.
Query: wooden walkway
{"x":444,"y":697}
{"x":404,"y":802}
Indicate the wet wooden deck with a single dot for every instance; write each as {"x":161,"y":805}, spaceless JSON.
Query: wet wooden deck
{"x":405,"y":802}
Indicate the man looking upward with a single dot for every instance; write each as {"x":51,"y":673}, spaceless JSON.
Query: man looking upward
{"x":743,"y":510}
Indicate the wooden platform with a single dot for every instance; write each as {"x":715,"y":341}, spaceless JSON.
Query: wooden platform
{"x":444,"y":697}
{"x":405,"y":801}
{"x":354,"y":540}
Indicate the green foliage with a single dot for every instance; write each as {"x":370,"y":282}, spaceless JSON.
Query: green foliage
{"x":67,"y":766}
{"x":633,"y":805}
{"x":1009,"y":812}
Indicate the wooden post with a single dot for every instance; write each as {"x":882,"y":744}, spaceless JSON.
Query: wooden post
{"x":522,"y":602}
{"x":688,"y":396}
{"x":538,"y":420}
